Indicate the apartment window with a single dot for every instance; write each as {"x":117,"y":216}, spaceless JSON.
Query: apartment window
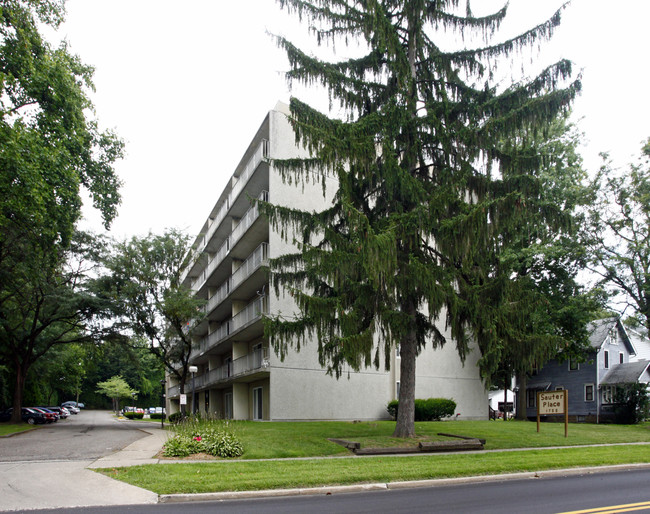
{"x":531,"y":397}
{"x":257,"y":403}
{"x":606,"y":357}
{"x":397,"y":389}
{"x":608,"y":394}
{"x":573,"y":365}
{"x":589,"y":392}
{"x":620,"y":357}
{"x":227,"y":406}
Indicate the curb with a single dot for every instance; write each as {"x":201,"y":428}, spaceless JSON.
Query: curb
{"x":359,"y":488}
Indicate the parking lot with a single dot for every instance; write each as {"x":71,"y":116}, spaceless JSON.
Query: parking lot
{"x":88,"y":435}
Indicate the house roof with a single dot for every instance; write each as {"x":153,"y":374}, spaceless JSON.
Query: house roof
{"x":599,"y":330}
{"x":641,"y":344}
{"x":626,"y":373}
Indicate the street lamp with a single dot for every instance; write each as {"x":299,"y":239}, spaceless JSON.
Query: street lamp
{"x":193,"y":369}
{"x":162,"y":400}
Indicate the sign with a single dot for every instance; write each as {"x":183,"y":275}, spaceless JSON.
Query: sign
{"x":551,"y":403}
{"x":554,"y":403}
{"x":183,"y":399}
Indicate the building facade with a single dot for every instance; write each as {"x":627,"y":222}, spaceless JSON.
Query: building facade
{"x":238,"y":376}
{"x":592,"y":384}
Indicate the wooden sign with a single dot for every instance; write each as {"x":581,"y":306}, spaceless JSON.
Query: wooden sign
{"x":554,"y":403}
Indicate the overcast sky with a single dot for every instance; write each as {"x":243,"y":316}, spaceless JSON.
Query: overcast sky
{"x":187,"y":84}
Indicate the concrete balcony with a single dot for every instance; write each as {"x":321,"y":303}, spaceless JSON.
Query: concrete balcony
{"x":252,"y":312}
{"x":253,"y":362}
{"x":247,"y":220}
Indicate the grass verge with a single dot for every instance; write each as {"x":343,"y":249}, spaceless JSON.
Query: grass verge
{"x":246,"y":476}
{"x":282,"y":440}
{"x":10,"y":429}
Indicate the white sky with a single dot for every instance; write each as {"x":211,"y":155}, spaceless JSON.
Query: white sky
{"x":186,"y":85}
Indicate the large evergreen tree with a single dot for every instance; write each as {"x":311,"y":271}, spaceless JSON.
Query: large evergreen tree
{"x":427,"y":194}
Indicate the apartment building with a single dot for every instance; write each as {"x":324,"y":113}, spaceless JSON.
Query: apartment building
{"x":238,"y":375}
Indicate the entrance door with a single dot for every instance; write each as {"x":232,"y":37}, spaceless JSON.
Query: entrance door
{"x":257,"y":403}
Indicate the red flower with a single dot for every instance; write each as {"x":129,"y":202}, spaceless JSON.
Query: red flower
{"x":197,"y":438}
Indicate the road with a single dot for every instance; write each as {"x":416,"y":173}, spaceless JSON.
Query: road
{"x":599,"y":492}
{"x":88,"y":435}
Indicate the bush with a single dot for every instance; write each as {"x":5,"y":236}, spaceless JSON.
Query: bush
{"x":632,"y":403}
{"x":156,"y":415}
{"x":177,"y":417}
{"x":203,"y":436}
{"x":431,"y":409}
{"x":133,"y":415}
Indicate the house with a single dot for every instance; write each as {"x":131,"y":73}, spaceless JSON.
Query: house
{"x":592,"y":384}
{"x":237,"y":375}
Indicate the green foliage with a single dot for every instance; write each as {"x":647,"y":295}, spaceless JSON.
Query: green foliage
{"x":632,"y":403}
{"x":429,"y":199}
{"x":203,"y":436}
{"x":431,"y":409}
{"x":116,"y":388}
{"x":176,"y":417}
{"x":156,"y":415}
{"x":143,"y":283}
{"x":619,"y":231}
{"x":134,"y":415}
{"x":50,"y":149}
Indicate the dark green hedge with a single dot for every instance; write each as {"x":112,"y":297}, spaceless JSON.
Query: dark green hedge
{"x":431,"y":409}
{"x":133,"y":415}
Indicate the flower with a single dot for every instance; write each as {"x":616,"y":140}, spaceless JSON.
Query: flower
{"x":197,"y":438}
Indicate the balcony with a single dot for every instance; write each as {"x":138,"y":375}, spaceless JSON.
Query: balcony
{"x":247,"y":220}
{"x":250,"y":313}
{"x":261,"y":152}
{"x":254,"y":361}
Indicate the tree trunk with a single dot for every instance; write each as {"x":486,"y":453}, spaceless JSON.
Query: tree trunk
{"x":19,"y":388}
{"x":405,"y":426}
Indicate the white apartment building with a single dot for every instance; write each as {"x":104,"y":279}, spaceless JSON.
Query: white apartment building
{"x":239,"y":376}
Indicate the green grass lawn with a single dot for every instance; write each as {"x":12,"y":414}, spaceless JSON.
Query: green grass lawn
{"x":256,"y":475}
{"x":281,"y":440}
{"x":285,"y":440}
{"x":10,"y":428}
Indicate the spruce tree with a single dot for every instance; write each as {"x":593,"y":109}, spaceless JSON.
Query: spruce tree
{"x":410,"y":247}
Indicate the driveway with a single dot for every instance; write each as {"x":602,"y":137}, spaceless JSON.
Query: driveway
{"x":48,"y":467}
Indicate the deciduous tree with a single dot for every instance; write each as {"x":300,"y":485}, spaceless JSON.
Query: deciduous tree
{"x":619,"y":233}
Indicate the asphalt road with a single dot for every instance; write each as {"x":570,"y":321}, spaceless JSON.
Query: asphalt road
{"x":599,"y":492}
{"x":88,"y":435}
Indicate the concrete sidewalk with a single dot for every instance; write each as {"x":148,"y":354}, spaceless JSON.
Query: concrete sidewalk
{"x":67,"y":484}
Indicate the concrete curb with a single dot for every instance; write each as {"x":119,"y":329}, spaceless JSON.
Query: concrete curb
{"x":358,"y":488}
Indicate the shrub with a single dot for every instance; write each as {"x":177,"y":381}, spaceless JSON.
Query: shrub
{"x":156,"y":415}
{"x":203,"y":436}
{"x":632,"y":403}
{"x":133,"y":415}
{"x":431,"y":409}
{"x":176,"y":417}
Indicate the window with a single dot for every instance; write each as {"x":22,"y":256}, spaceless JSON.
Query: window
{"x":531,"y":397}
{"x":589,"y":392}
{"x":613,"y":336}
{"x":397,"y":389}
{"x":559,"y":388}
{"x":228,"y":363}
{"x":573,"y":365}
{"x":535,"y":370}
{"x":620,"y":357}
{"x":257,"y":356}
{"x":257,"y":403}
{"x":608,"y":394}
{"x":397,"y":350}
{"x":606,"y":357}
{"x":227,"y":405}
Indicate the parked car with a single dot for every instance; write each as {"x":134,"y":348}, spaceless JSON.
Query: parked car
{"x":61,"y":411}
{"x":50,"y":416}
{"x":72,"y":409}
{"x":28,"y":415}
{"x":79,"y":405}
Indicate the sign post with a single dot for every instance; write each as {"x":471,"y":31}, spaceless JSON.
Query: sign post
{"x":554,"y":402}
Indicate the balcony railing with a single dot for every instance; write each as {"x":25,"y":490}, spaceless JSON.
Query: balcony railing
{"x":257,"y":359}
{"x":249,"y":313}
{"x":247,"y":220}
{"x":218,"y":297}
{"x":261,"y":152}
{"x":252,"y":262}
